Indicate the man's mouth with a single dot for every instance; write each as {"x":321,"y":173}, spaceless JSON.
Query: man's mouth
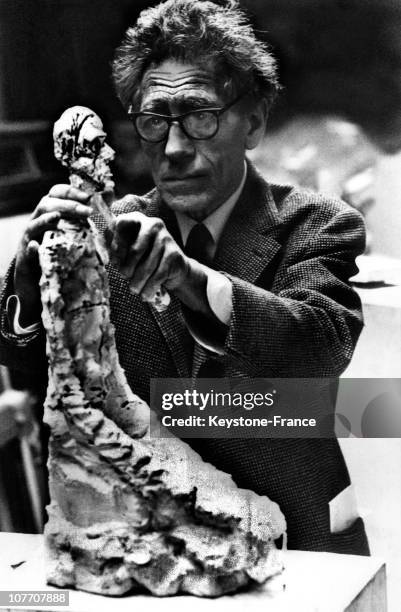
{"x":180,"y":178}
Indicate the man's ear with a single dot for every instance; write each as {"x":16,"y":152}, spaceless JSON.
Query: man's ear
{"x":257,"y":118}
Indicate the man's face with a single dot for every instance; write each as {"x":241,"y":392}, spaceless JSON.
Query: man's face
{"x":193,"y":176}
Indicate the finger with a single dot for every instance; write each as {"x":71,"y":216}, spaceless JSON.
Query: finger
{"x":155,"y":280}
{"x":138,"y":253}
{"x":133,"y":241}
{"x":146,"y":269}
{"x":128,"y":227}
{"x":32,"y":250}
{"x":69,"y":209}
{"x":37,"y":227}
{"x":27,"y":264}
{"x":126,"y":231}
{"x":172,"y":267}
{"x":67,"y":192}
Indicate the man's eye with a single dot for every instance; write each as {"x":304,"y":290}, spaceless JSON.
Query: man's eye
{"x":202,"y":116}
{"x":156,"y":121}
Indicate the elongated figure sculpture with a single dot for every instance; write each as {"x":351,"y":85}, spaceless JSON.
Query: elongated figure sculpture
{"x":129,"y":511}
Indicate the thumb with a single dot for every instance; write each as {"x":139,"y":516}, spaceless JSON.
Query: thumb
{"x":32,"y":251}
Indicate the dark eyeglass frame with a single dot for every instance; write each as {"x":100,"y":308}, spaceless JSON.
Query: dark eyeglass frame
{"x":169,"y":119}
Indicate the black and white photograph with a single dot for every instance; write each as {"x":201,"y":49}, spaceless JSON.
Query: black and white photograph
{"x":200,"y":305}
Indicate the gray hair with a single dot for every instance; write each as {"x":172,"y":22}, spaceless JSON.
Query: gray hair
{"x":199,"y":32}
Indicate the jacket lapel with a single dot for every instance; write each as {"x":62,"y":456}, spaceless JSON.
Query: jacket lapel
{"x":248,"y":243}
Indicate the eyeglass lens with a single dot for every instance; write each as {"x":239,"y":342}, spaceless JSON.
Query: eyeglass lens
{"x":202,"y":124}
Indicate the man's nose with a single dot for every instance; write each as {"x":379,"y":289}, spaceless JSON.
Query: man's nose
{"x":178,"y":145}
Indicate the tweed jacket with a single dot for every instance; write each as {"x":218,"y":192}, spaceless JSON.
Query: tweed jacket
{"x":289,"y":254}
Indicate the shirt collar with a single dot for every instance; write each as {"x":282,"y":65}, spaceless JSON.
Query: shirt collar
{"x":216,"y":221}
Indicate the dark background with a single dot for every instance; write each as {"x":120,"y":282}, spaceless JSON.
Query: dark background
{"x":337,"y":56}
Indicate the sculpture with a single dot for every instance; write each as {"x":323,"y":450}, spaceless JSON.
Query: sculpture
{"x":80,"y":145}
{"x":128,"y":511}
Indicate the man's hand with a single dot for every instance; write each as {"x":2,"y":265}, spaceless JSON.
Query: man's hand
{"x":62,"y":201}
{"x":147,"y":255}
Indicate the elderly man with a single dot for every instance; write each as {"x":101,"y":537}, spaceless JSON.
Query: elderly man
{"x":258,"y":274}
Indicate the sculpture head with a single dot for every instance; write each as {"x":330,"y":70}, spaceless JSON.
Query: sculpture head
{"x":79,"y":144}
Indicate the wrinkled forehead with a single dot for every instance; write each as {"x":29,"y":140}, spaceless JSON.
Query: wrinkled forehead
{"x":173,"y":82}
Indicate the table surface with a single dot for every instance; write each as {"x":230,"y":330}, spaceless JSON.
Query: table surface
{"x":313,"y":582}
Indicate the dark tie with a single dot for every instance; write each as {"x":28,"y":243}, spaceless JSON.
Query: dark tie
{"x":199,"y":243}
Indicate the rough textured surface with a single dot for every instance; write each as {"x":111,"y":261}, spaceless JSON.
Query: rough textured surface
{"x":127,"y":510}
{"x":79,"y":144}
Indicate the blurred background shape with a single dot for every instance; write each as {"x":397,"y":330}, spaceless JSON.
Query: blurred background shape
{"x":22,"y":485}
{"x":337,"y":58}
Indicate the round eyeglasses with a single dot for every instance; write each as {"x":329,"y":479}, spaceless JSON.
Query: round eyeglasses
{"x":199,"y":124}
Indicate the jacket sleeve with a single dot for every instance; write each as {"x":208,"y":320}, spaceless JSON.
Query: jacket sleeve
{"x":25,"y":353}
{"x":308,"y":325}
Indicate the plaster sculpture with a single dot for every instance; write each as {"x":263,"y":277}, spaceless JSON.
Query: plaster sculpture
{"x":80,"y":145}
{"x":129,"y":511}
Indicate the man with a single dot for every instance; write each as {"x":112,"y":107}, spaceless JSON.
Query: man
{"x":258,"y":274}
